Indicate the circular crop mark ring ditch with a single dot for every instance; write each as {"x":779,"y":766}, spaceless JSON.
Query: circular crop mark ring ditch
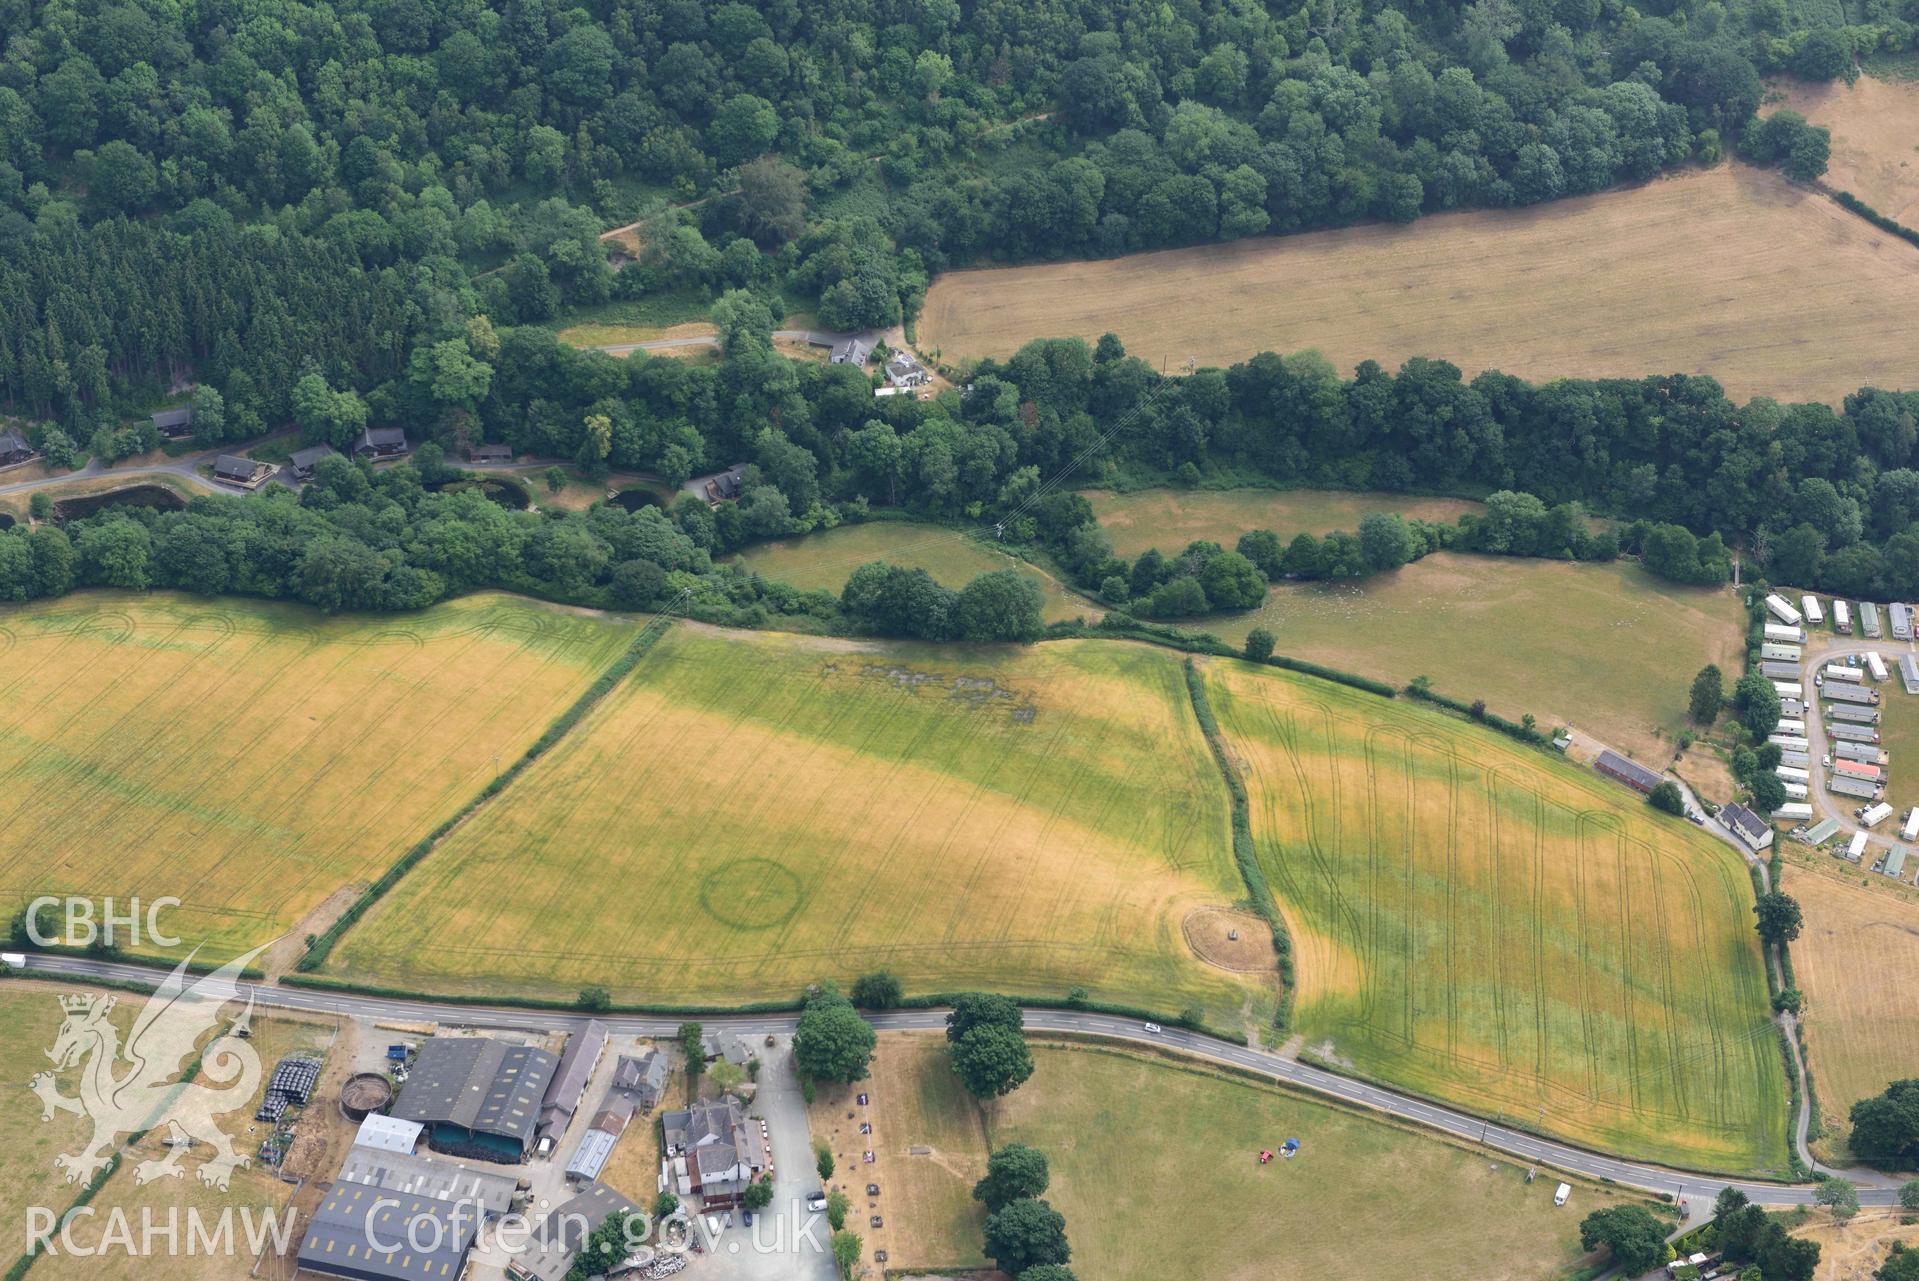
{"x":752,"y":894}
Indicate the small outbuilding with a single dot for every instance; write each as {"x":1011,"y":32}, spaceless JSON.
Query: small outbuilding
{"x":382,"y":1133}
{"x":492,"y":453}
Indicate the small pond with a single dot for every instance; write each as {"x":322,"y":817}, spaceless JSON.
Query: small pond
{"x":634,"y":499}
{"x":505,"y":491}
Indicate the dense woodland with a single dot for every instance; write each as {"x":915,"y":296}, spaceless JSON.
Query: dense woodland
{"x":342,"y":214}
{"x":242,"y":192}
{"x":1822,"y":497}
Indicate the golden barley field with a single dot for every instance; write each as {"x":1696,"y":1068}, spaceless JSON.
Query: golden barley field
{"x":254,"y":759}
{"x":751,"y":812}
{"x":1503,"y":930}
{"x":1733,"y":272}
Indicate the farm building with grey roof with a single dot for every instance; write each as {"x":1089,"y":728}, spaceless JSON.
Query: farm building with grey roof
{"x":477,"y":1097}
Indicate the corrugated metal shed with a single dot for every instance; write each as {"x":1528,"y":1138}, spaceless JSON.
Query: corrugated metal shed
{"x":388,"y":1134}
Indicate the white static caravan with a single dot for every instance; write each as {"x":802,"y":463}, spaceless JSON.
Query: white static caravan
{"x":1788,"y":725}
{"x":1792,"y":773}
{"x":1876,"y":814}
{"x":1785,"y":635}
{"x":1844,"y":672}
{"x":1841,"y":618}
{"x":1794,"y":791}
{"x":1789,"y":689}
{"x":1775,"y":652}
{"x":1856,"y":848}
{"x":1814,"y":615}
{"x":1875,"y":664}
{"x":1783,"y":611}
{"x":1789,"y":742}
{"x":1869,"y":620}
{"x":1792,"y":810}
{"x":1912,"y":824}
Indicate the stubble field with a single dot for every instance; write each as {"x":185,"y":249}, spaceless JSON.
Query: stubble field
{"x":253,"y":759}
{"x":1482,"y":924}
{"x":1875,"y":138}
{"x":1732,"y":272}
{"x":1855,"y":959}
{"x":751,"y":812}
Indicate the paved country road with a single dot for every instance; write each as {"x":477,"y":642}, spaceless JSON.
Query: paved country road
{"x":1697,"y":1189}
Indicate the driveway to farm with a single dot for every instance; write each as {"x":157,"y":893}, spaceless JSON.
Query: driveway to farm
{"x":1680,"y":1184}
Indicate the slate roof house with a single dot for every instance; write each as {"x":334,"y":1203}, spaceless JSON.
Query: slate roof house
{"x":723,"y":1147}
{"x":235,"y":470}
{"x":1752,"y":830}
{"x":854,"y":351}
{"x":174,"y":423}
{"x":643,"y":1078}
{"x":381,"y":442}
{"x":720,"y":487}
{"x":903,"y":370}
{"x":303,"y":461}
{"x":477,"y":1097}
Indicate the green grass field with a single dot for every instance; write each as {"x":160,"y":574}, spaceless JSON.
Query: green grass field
{"x":1507,"y":931}
{"x":1169,"y":519}
{"x":827,"y":559}
{"x":1607,"y":648}
{"x":751,"y":812}
{"x":1151,"y":1159}
{"x":1899,"y":735}
{"x":253,"y":760}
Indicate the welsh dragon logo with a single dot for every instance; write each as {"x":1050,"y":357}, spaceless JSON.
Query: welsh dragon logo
{"x":165,"y":1035}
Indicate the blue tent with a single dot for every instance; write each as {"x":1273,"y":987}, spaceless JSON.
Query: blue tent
{"x":1290,"y":1146}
